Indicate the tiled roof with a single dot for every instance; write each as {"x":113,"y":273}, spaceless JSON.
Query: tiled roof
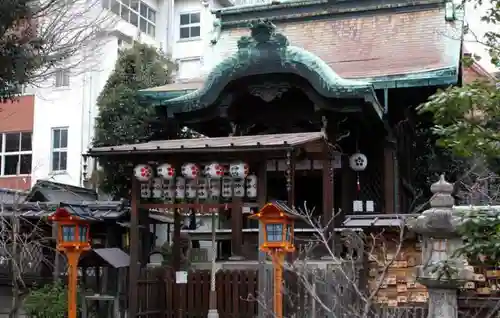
{"x":99,"y":211}
{"x":203,"y":144}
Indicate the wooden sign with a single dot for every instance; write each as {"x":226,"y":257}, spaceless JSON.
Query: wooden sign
{"x":401,"y":288}
{"x":470,"y":285}
{"x":402,"y":299}
{"x":483,"y":291}
{"x":492,"y":274}
{"x":382,"y":299}
{"x":391,"y":279}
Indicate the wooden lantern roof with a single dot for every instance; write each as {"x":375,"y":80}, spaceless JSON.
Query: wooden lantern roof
{"x":65,"y":214}
{"x":274,"y":210}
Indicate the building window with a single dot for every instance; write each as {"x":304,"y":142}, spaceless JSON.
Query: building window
{"x":16,"y":153}
{"x":59,"y":149}
{"x":62,"y":78}
{"x":189,"y":68}
{"x":134,"y":12}
{"x":190,"y":25}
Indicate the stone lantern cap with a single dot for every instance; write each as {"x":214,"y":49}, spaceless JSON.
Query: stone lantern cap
{"x":439,"y":220}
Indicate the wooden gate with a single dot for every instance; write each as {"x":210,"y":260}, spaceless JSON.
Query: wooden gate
{"x":160,"y":296}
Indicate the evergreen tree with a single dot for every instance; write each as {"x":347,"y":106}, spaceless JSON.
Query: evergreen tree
{"x":123,"y":119}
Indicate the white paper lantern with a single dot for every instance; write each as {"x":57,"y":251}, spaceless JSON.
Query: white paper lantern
{"x":145,"y":190}
{"x":180,"y":188}
{"x":358,"y":162}
{"x":143,"y":172}
{"x":166,"y":171}
{"x":214,"y":188}
{"x":238,"y":170}
{"x":203,"y":188}
{"x":190,"y":171}
{"x":227,"y":187}
{"x":168,"y":189}
{"x":157,"y":188}
{"x":239,"y":187}
{"x":251,"y":186}
{"x":191,"y":187}
{"x":214,"y":171}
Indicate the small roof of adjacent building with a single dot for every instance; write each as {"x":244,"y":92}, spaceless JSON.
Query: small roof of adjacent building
{"x":48,"y":191}
{"x":11,"y":196}
{"x":376,"y":220}
{"x":200,"y":145}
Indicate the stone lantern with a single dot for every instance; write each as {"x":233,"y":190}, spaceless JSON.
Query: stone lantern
{"x":442,"y":272}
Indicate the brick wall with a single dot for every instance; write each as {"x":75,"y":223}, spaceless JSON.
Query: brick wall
{"x":475,"y":72}
{"x":16,"y":116}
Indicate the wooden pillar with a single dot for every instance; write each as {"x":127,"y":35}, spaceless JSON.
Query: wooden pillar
{"x":134,"y":250}
{"x":291,"y":190}
{"x":176,"y":253}
{"x":389,"y":177}
{"x":327,"y":177}
{"x":348,"y":187}
{"x":236,"y":229}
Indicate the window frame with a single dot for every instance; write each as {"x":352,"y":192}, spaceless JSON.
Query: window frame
{"x":59,"y":149}
{"x":19,"y":153}
{"x":189,"y":25}
{"x":64,"y":75}
{"x":149,"y":18}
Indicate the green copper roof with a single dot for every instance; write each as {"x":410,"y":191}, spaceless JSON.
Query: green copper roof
{"x":268,"y":52}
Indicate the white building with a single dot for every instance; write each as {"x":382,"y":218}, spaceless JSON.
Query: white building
{"x":65,"y":108}
{"x":473,"y":41}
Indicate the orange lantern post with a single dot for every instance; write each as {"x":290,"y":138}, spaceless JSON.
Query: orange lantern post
{"x":72,"y":240}
{"x":277,"y":221}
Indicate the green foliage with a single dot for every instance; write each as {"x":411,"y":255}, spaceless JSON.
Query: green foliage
{"x":480,"y":232}
{"x":467,"y":119}
{"x":122,"y":118}
{"x":49,"y":301}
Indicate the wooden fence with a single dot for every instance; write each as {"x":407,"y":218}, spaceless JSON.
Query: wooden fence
{"x":237,"y":294}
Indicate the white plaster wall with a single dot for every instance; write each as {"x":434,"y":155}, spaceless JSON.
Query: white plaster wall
{"x":191,"y":54}
{"x":75,"y":106}
{"x":477,"y":30}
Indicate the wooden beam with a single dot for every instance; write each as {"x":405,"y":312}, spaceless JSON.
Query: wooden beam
{"x":134,"y":250}
{"x":236,"y":228}
{"x":205,"y":206}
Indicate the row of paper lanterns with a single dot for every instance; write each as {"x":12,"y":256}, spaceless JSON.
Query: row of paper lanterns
{"x":202,"y":188}
{"x":191,"y":171}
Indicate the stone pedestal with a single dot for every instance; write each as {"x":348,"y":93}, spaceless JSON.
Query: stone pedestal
{"x":441,"y":271}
